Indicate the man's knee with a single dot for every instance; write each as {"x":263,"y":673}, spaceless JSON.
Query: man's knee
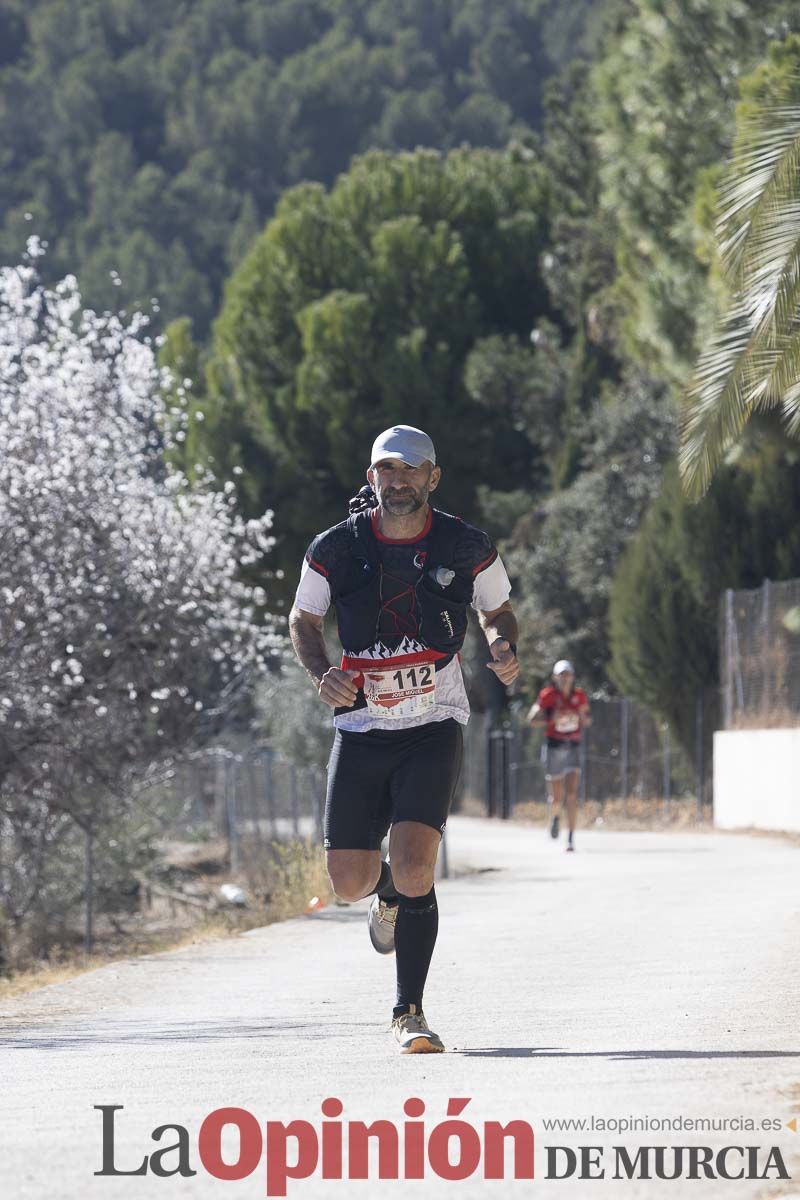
{"x":412,"y":879}
{"x":350,"y":881}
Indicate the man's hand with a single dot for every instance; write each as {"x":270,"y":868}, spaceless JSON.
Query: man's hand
{"x":504,"y":662}
{"x":337,"y":688}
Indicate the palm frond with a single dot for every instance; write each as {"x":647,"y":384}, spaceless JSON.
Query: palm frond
{"x":783,"y":379}
{"x":791,"y":410}
{"x":760,"y":178}
{"x":752,"y":360}
{"x":720,"y":396}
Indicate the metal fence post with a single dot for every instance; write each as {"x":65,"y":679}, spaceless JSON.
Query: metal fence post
{"x":765,"y":642}
{"x":489,"y":771}
{"x":736,"y":665}
{"x":231,"y":814}
{"x":220,"y":807}
{"x":586,"y":774}
{"x":294,"y":797}
{"x":727,"y":665}
{"x":88,"y":933}
{"x":513,"y":777}
{"x":268,"y":789}
{"x":667,"y":779}
{"x":738,"y":660}
{"x":698,"y":752}
{"x":624,"y":753}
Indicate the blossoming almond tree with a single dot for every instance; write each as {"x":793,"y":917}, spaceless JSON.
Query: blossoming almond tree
{"x":124,"y":618}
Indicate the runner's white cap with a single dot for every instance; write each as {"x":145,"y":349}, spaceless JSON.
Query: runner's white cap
{"x":563,"y":665}
{"x":405,"y":442}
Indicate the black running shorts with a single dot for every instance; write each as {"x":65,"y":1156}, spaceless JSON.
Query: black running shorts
{"x":383,"y":776}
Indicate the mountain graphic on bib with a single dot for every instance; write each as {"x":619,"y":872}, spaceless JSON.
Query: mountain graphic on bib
{"x":379,"y":650}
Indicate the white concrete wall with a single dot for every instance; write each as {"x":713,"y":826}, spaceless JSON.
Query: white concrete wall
{"x":757,"y":779}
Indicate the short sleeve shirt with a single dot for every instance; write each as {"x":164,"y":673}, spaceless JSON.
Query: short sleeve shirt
{"x":562,"y":712}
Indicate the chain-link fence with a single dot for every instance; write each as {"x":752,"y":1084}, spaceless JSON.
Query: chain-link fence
{"x":253,"y":796}
{"x":250,"y":798}
{"x":625,"y":754}
{"x":759,"y":637}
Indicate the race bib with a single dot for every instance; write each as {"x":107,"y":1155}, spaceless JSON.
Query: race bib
{"x":567,"y":722}
{"x":404,"y":692}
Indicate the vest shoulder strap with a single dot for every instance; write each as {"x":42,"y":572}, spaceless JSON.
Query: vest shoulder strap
{"x":445,"y":530}
{"x":362,"y":545}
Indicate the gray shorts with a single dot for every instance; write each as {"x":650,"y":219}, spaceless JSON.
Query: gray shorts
{"x":559,"y":760}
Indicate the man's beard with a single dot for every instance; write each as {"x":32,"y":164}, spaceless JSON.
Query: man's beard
{"x":405,"y":504}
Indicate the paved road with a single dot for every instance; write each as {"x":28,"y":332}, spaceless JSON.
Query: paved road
{"x":646,"y":976}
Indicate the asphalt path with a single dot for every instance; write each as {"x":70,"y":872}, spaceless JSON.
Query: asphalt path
{"x":647,"y":977}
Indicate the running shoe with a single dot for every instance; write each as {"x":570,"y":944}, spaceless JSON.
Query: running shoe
{"x":570,"y":844}
{"x":413,"y":1035}
{"x":554,"y":826}
{"x":381,"y":919}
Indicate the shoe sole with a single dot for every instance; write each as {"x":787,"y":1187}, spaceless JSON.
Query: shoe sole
{"x":381,"y":948}
{"x":376,"y":946}
{"x":422,"y":1045}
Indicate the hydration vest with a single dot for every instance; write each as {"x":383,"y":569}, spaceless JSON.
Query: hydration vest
{"x":442,"y":592}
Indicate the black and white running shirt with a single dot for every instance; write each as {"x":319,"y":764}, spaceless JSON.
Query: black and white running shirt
{"x":401,"y":561}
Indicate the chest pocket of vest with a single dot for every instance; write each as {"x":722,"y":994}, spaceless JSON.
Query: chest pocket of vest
{"x":443,"y":610}
{"x":358,"y":604}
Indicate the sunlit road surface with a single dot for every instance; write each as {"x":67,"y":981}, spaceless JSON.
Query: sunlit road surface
{"x":647,"y":976}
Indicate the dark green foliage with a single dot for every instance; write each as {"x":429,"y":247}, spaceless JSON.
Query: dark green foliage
{"x":665,"y":597}
{"x":154,"y":139}
{"x":665,"y":92}
{"x":562,"y":555}
{"x":393,"y":297}
{"x":578,"y":265}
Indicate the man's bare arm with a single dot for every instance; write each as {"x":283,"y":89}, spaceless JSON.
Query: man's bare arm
{"x":500,"y":627}
{"x":499,"y":623}
{"x":305,"y":630}
{"x":334,"y":686}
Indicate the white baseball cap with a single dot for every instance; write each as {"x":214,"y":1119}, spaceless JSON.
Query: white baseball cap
{"x":405,"y":442}
{"x":563,"y":665}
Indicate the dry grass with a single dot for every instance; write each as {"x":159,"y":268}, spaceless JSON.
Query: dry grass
{"x":634,"y":813}
{"x":750,"y":831}
{"x":773,"y":717}
{"x":280,"y":885}
{"x":76,"y":962}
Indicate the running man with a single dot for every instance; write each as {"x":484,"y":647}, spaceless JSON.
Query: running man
{"x":402,"y":576}
{"x":563,"y":710}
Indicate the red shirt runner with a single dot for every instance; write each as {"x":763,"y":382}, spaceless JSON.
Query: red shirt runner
{"x":562,"y":712}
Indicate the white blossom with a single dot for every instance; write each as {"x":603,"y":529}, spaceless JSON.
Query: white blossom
{"x":118,"y":580}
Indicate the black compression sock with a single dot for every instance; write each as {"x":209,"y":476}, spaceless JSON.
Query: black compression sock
{"x":385,"y":886}
{"x":414,"y":938}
